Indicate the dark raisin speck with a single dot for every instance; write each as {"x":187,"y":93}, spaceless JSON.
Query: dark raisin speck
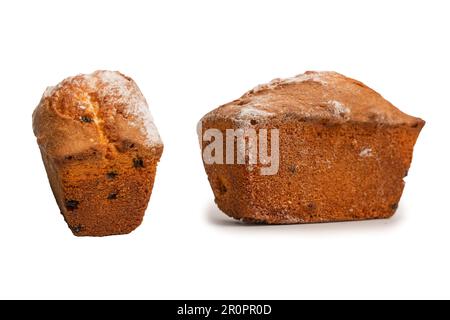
{"x":221,"y":187}
{"x":112,"y":196}
{"x":72,"y":205}
{"x":77,"y":229}
{"x":253,"y":122}
{"x":292,"y":168}
{"x":86,"y":119}
{"x":138,"y":163}
{"x":394,"y":206}
{"x":311,"y":206}
{"x":254,"y":221}
{"x":111,"y":175}
{"x":124,"y":145}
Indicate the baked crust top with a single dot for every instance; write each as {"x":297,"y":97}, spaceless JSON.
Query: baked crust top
{"x":93,"y":110}
{"x":314,"y":96}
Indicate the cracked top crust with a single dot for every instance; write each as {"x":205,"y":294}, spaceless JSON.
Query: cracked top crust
{"x":95,"y":110}
{"x":314,"y":96}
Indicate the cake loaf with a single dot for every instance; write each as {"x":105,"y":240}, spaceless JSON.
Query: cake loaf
{"x":342,"y":151}
{"x":100,"y":149}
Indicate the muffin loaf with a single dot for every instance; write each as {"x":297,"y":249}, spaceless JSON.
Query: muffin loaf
{"x":343,"y":151}
{"x":100,"y":148}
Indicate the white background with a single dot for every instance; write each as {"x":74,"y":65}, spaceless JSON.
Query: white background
{"x":189,"y":57}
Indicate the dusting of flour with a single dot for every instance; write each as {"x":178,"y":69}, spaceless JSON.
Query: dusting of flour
{"x":128,"y":94}
{"x":318,"y":77}
{"x":365,"y":153}
{"x":338,"y":109}
{"x":253,"y":110}
{"x":125,"y":92}
{"x":119,"y":90}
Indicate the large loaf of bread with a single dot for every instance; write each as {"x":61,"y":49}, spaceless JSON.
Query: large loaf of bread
{"x":343,"y":152}
{"x":100,"y":148}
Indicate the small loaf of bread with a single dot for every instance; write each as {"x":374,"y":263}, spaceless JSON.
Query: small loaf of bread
{"x":343,"y":152}
{"x":100,"y":148}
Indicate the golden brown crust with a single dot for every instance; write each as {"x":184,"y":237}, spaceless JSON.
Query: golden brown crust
{"x":333,"y":166}
{"x":314,"y":96}
{"x":91,"y":111}
{"x":100,"y":149}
